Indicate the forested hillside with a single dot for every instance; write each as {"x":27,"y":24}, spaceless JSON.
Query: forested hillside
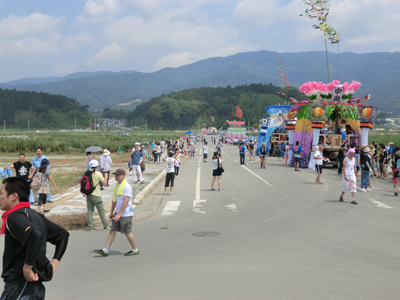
{"x":209,"y":106}
{"x":43,"y":110}
{"x":377,"y":73}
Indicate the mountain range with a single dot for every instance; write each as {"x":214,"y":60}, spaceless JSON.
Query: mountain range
{"x":377,"y":72}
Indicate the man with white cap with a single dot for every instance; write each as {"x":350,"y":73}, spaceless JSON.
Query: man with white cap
{"x":105,"y":165}
{"x":349,"y":176}
{"x":94,"y":199}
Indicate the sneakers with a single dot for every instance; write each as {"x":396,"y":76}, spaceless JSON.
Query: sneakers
{"x":142,"y":182}
{"x":363,"y":190}
{"x":164,"y":193}
{"x":369,"y":190}
{"x":101,"y":251}
{"x":92,"y":229}
{"x":396,"y":194}
{"x":341,"y":199}
{"x":134,"y":182}
{"x":170,"y":193}
{"x":354,"y":202}
{"x":107,"y":228}
{"x":131,"y":252}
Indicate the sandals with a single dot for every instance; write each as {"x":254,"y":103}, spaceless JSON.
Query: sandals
{"x":46,"y":210}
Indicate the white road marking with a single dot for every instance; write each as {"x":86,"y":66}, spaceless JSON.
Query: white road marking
{"x":231,"y":207}
{"x":226,"y":154}
{"x":198,"y":184}
{"x":259,"y":177}
{"x":199,"y":206}
{"x":380,"y":204}
{"x":229,"y":204}
{"x":170,"y":208}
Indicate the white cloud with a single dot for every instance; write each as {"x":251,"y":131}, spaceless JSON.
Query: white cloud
{"x":111,"y":52}
{"x":173,"y":60}
{"x":35,"y":24}
{"x":78,"y":40}
{"x":97,"y":8}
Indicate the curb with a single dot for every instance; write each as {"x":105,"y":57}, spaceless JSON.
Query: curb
{"x":149,"y":188}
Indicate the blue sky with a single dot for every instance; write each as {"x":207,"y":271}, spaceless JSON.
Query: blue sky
{"x":55,"y":38}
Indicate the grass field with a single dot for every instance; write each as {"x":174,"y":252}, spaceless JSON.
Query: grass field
{"x":76,"y":142}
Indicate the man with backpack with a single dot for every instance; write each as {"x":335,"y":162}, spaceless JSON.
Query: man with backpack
{"x":90,"y":187}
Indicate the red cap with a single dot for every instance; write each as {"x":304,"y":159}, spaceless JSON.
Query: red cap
{"x":120,"y":172}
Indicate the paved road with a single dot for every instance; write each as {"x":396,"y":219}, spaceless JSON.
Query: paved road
{"x":281,"y":237}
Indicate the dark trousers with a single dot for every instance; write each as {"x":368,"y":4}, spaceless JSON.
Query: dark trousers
{"x":242,"y":159}
{"x":23,"y":290}
{"x":176,"y":170}
{"x":340,"y":166}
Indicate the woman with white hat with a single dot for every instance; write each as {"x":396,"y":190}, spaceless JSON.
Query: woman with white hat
{"x":105,"y":164}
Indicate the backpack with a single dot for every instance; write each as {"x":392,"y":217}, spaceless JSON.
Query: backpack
{"x":87,"y":186}
{"x":36,"y":181}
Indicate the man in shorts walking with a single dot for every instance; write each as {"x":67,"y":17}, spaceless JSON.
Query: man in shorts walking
{"x":122,"y":218}
{"x":297,"y":151}
{"x":251,"y":151}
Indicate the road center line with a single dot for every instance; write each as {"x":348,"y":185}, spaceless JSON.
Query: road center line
{"x":198,"y":178}
{"x":259,"y":177}
{"x":380,"y":204}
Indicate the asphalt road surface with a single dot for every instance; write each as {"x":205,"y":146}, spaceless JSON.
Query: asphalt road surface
{"x":274,"y":234}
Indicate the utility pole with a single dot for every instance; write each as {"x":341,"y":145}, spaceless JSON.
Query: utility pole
{"x":146,"y":124}
{"x":28,"y":125}
{"x":4,"y":125}
{"x":75,"y":125}
{"x":90,"y":124}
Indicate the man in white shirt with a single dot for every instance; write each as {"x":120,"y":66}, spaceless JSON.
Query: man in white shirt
{"x":122,"y":218}
{"x":205,"y":152}
{"x":318,"y":157}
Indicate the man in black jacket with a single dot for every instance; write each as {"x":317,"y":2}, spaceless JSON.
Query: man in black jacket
{"x":340,"y":158}
{"x":25,"y":265}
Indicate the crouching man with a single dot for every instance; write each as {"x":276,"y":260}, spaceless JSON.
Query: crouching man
{"x":25,"y":265}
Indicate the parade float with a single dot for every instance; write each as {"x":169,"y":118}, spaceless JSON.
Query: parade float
{"x":269,"y":125}
{"x":328,"y":106}
{"x":236,"y":130}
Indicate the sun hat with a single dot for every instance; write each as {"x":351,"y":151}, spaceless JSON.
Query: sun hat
{"x":106,"y":152}
{"x":44,"y":163}
{"x":93,"y":163}
{"x":367,"y":149}
{"x":120,"y":172}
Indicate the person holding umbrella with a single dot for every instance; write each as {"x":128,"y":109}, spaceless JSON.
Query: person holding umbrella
{"x":89,"y":154}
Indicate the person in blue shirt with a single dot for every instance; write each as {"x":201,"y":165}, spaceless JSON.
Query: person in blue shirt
{"x":242,"y":152}
{"x":297,"y":152}
{"x":36,"y":162}
{"x":136,"y":159}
